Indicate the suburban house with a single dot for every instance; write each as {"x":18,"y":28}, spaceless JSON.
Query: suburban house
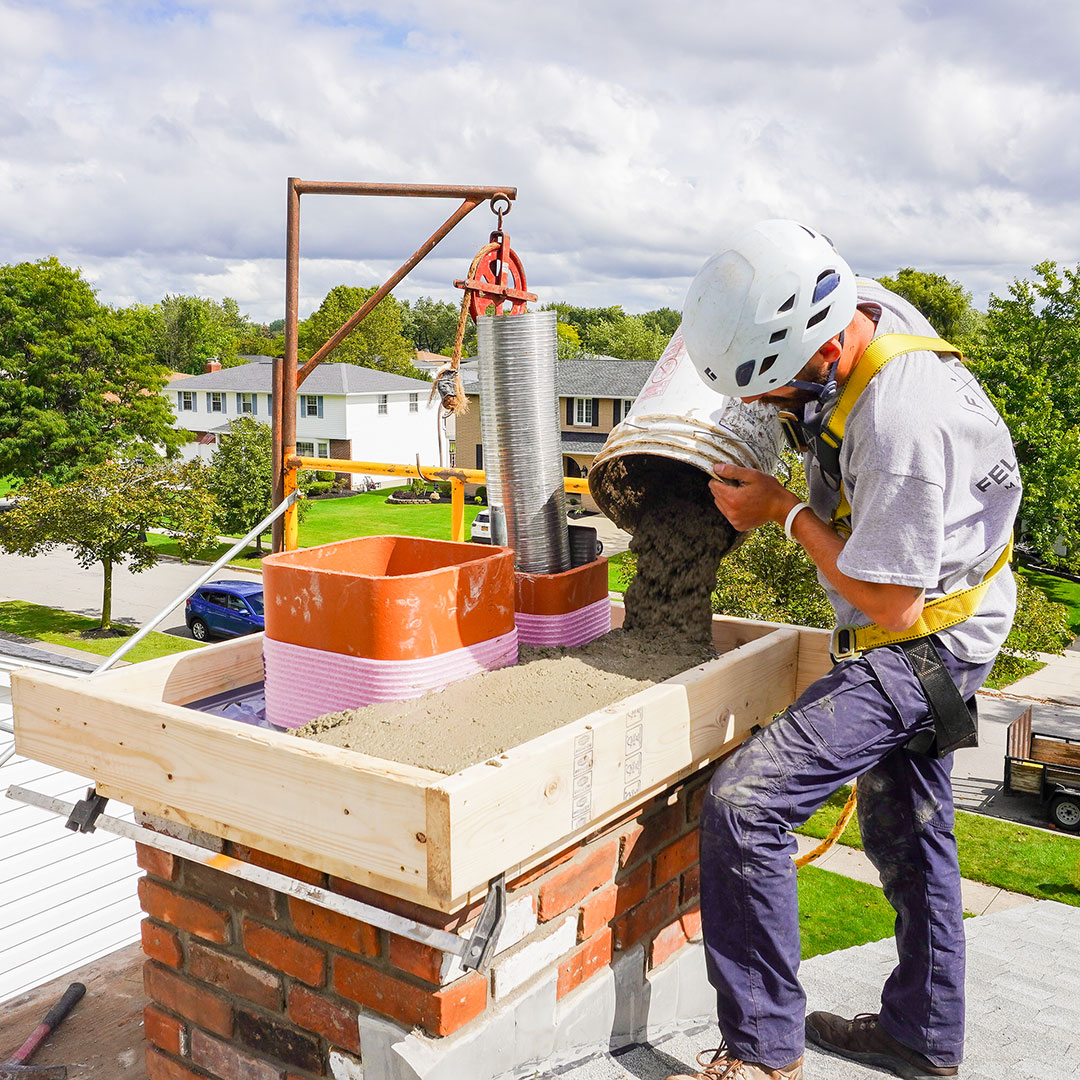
{"x":342,"y":411}
{"x":595,"y":393}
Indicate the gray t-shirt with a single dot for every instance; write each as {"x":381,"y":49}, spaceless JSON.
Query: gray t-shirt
{"x":931,"y":476}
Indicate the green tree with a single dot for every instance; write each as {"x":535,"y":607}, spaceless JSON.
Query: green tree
{"x":242,"y":478}
{"x":78,"y":382}
{"x":189,"y":330}
{"x":378,"y":342}
{"x":567,"y":341}
{"x":664,"y":319}
{"x":946,"y":304}
{"x":1028,"y":360}
{"x":626,"y":337}
{"x":431,"y":325}
{"x":103,"y":516}
{"x":581,"y":318}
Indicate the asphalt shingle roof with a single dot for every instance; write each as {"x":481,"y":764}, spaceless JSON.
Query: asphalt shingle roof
{"x":257,"y":377}
{"x":585,"y":376}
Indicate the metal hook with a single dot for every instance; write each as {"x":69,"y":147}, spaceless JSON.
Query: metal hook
{"x":426,"y":479}
{"x":499,"y":197}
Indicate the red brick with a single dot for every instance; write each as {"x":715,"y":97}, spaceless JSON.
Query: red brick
{"x":233,"y":892}
{"x":161,"y":944}
{"x":334,"y":929}
{"x":438,"y":1012}
{"x":168,"y":906}
{"x":583,"y":962}
{"x":541,"y":869}
{"x":416,"y":958}
{"x":691,"y":921}
{"x":656,"y":832}
{"x":277,"y":864}
{"x":676,"y":858}
{"x":642,"y":920}
{"x":697,"y":800}
{"x":691,"y":885}
{"x":597,"y":911}
{"x":196,"y":1003}
{"x":227,"y":1062}
{"x":633,"y":888}
{"x":164,"y":1031}
{"x":271,"y":1037}
{"x":160,"y":1067}
{"x":159,"y":863}
{"x":560,"y":892}
{"x":668,"y":942}
{"x":313,"y":1012}
{"x":284,"y":953}
{"x":236,"y":976}
{"x":405,"y":908}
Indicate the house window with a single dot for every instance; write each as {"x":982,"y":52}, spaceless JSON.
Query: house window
{"x":479,"y":456}
{"x":453,"y":452}
{"x":313,"y":449}
{"x":311,"y":405}
{"x":186,"y":400}
{"x":383,"y":398}
{"x":583,"y":413}
{"x":245,"y":404}
{"x":627,"y":405}
{"x":215,"y":401}
{"x":414,"y":403}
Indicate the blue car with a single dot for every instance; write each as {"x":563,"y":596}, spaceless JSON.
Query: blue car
{"x":225,"y":609}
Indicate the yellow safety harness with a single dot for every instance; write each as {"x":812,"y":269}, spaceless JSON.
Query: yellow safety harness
{"x":944,"y":611}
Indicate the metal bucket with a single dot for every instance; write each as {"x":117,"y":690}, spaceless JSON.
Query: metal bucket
{"x":522,"y":438}
{"x":678,"y":424}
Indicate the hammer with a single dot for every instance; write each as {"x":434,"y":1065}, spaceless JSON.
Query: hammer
{"x":15,"y":1068}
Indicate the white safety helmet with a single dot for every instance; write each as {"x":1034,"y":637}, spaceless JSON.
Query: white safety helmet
{"x":758,"y":311}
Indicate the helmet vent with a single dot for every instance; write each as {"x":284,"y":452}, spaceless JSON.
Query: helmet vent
{"x":778,"y":336}
{"x":744,"y":373}
{"x":827,"y":281}
{"x":767,"y":363}
{"x":787,"y":305}
{"x":712,"y":374}
{"x":815,"y":319}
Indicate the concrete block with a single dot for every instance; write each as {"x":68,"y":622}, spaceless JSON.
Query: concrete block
{"x":378,"y":1041}
{"x":345,"y":1067}
{"x":520,"y":923}
{"x":697,"y":998}
{"x":629,"y":971}
{"x":524,"y":963}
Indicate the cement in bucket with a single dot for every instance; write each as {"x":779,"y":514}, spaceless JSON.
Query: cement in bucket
{"x":676,"y":431}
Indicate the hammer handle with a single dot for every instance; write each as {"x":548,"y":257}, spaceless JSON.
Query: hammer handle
{"x":52,"y":1018}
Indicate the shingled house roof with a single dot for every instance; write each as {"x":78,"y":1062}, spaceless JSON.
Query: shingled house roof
{"x":584,"y":376}
{"x":257,"y":377}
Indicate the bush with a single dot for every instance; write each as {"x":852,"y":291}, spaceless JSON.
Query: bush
{"x":1040,"y":625}
{"x":443,"y":489}
{"x":319,"y":487}
{"x":325,"y":475}
{"x":481,"y":494}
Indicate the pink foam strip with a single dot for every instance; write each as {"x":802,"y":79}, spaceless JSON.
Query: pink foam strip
{"x":574,"y":628}
{"x":303,"y":683}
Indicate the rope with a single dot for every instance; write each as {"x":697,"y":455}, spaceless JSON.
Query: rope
{"x":834,"y":834}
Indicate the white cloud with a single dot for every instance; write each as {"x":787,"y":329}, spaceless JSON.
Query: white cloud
{"x":150,"y":143}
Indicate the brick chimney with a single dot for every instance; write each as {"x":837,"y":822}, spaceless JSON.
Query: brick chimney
{"x":213,"y":364}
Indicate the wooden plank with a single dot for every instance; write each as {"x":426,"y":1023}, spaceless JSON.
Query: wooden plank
{"x":1019,"y":735}
{"x":188,"y":676}
{"x":1025,"y":776}
{"x":333,"y":809}
{"x":1054,"y":752}
{"x":560,"y":784}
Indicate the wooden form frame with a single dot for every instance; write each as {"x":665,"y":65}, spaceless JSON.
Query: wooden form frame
{"x":413,"y":833}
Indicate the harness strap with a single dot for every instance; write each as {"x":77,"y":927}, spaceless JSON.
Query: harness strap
{"x":938,"y":614}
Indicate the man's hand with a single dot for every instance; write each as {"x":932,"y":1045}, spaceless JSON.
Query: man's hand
{"x":748,"y":498}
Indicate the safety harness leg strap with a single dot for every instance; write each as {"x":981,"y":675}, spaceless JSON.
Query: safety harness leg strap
{"x":956,"y":721}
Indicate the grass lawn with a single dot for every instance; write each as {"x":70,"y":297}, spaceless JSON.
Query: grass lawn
{"x":614,"y":572}
{"x":1027,"y":667}
{"x":836,"y":912}
{"x":995,"y":852}
{"x":364,"y":514}
{"x":1060,"y":590}
{"x":63,"y":628}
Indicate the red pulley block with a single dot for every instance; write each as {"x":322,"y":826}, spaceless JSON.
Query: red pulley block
{"x":497,"y":278}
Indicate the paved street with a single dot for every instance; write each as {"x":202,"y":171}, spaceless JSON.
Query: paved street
{"x":57,"y":580}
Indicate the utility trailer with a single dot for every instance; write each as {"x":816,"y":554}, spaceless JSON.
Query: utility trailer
{"x":1038,"y":763}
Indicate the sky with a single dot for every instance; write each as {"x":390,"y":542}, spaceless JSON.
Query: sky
{"x":150,"y":143}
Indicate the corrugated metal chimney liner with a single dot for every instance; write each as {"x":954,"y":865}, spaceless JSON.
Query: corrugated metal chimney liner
{"x":519,"y":416}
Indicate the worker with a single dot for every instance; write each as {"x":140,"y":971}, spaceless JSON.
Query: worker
{"x":913,"y":488}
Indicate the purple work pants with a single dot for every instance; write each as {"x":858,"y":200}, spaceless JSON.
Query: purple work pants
{"x":852,"y":722}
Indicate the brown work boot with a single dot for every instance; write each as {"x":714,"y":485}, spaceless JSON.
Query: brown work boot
{"x":720,"y":1065}
{"x":864,"y":1039}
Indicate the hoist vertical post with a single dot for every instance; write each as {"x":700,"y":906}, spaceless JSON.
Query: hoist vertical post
{"x":457,"y":509}
{"x":291,"y":517}
{"x":284,"y":439}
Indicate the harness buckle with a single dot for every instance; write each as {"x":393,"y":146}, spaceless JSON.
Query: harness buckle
{"x":842,"y":644}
